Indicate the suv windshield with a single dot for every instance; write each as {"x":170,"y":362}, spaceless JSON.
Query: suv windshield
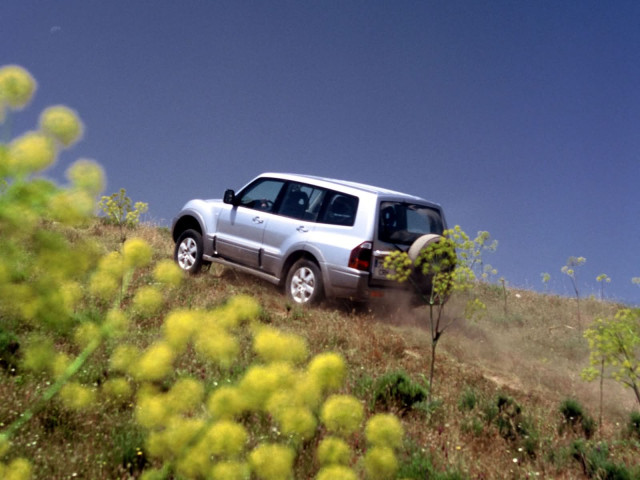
{"x":402,"y":223}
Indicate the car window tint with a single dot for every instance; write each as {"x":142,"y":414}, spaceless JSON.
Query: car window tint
{"x":261,"y":195}
{"x":403,"y":223}
{"x":341,"y":210}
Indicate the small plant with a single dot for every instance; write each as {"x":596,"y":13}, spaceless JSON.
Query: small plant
{"x":468,"y":400}
{"x":574,"y":417}
{"x":595,"y":462}
{"x":448,"y":264}
{"x":603,"y":279}
{"x":615,"y":346}
{"x":397,"y":390}
{"x":634,"y":425}
{"x":545,"y":278}
{"x":570,"y":270}
{"x":119,"y":210}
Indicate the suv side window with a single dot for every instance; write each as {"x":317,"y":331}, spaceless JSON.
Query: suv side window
{"x":261,"y":195}
{"x":301,"y":201}
{"x":341,"y":209}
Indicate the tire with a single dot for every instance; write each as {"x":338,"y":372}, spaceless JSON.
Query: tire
{"x":188,"y":251}
{"x":420,"y":243}
{"x":304,"y":283}
{"x":423,"y":283}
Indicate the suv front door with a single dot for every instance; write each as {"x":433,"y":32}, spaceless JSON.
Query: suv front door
{"x":241,"y":227}
{"x":297,"y":214}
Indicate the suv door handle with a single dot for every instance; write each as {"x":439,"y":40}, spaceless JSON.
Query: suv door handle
{"x":302,"y":229}
{"x":257,"y":220}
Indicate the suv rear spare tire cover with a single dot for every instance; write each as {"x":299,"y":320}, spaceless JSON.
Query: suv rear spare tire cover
{"x":422,"y":283}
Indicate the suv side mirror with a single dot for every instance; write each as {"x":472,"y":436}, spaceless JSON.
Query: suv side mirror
{"x":229,"y":197}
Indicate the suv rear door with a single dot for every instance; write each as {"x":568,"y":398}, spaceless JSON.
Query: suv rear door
{"x":399,"y":224}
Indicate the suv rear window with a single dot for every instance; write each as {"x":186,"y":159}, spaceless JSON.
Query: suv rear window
{"x":402,"y":223}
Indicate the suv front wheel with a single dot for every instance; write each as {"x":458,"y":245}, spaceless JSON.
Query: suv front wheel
{"x":188,"y":251}
{"x":304,"y":283}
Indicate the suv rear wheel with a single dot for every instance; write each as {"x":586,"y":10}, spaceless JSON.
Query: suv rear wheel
{"x":304,"y":283}
{"x":188,"y":251}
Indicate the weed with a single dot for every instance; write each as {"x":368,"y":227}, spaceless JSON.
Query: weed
{"x":468,"y":400}
{"x":9,"y":351}
{"x":396,"y":390}
{"x":418,"y":465}
{"x":574,"y":418}
{"x":595,"y":462}
{"x":634,"y":425}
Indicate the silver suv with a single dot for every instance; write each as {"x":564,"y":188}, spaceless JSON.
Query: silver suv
{"x":317,"y":237}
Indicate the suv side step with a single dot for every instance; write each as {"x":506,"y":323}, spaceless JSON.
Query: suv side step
{"x":263,"y":275}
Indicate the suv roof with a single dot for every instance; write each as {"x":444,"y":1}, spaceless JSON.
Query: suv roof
{"x":344,"y":183}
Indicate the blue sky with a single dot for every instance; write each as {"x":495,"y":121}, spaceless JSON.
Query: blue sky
{"x":519,"y":117}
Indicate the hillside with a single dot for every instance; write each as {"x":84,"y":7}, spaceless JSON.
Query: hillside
{"x":499,"y":383}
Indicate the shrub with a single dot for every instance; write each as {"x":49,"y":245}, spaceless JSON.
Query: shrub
{"x":396,"y":390}
{"x":595,"y":462}
{"x":634,"y":425}
{"x":574,"y":417}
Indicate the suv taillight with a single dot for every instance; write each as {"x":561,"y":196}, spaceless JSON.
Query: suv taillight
{"x":360,"y":257}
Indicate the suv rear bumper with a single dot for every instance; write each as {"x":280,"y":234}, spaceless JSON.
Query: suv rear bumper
{"x":344,"y":282}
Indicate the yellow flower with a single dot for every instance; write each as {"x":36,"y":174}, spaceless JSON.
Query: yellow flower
{"x":151,"y":411}
{"x":333,"y":450}
{"x":61,"y":362}
{"x":185,"y":395}
{"x":306,"y":391}
{"x":124,"y":358}
{"x":336,"y":472}
{"x":342,"y":414}
{"x":16,"y":86}
{"x":61,"y":123}
{"x":272,"y":461}
{"x":329,"y":370}
{"x":77,"y":396}
{"x":5,"y":444}
{"x":71,"y":207}
{"x":137,"y":252}
{"x":179,"y":327}
{"x":226,"y":402}
{"x":112,"y":264}
{"x":30,"y":153}
{"x":272,"y":345}
{"x":18,"y":469}
{"x":231,"y":471}
{"x":380,"y":463}
{"x":298,"y":422}
{"x":217,"y":346}
{"x":148,"y":300}
{"x":87,"y":175}
{"x":226,"y":438}
{"x":245,"y":307}
{"x":384,"y":430}
{"x":116,"y":323}
{"x":168,"y":273}
{"x":37,"y":356}
{"x":195,"y":463}
{"x":260,"y":382}
{"x":86,"y":333}
{"x":155,"y":363}
{"x":117,"y":389}
{"x":104,"y":286}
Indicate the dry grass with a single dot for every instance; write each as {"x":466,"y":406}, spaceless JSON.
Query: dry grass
{"x":530,"y":350}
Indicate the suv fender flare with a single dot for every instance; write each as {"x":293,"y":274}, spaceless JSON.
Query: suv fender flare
{"x":191,"y":216}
